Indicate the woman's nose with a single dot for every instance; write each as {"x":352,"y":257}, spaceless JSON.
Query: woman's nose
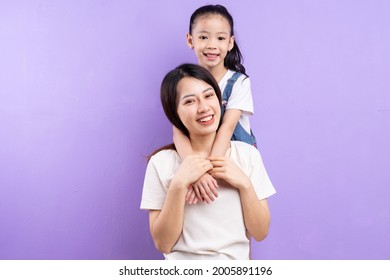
{"x":203,"y":107}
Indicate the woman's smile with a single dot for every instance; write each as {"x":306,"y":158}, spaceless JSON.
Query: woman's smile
{"x":206,"y":120}
{"x":198,"y":106}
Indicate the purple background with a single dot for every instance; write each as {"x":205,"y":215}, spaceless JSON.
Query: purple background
{"x":80,"y":110}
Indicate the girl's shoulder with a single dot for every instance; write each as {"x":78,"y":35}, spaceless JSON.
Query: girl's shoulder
{"x":241,"y":79}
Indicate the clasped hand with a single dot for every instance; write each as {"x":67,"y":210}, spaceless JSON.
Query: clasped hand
{"x":205,"y":188}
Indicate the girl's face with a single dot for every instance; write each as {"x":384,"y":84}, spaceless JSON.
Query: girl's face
{"x":198,"y":106}
{"x":211,"y":40}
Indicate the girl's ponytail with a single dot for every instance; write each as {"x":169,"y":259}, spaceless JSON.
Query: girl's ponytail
{"x":233,"y":60}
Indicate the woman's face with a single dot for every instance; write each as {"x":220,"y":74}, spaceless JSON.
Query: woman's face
{"x":198,"y":106}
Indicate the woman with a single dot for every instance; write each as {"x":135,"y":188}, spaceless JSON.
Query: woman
{"x":192,"y":101}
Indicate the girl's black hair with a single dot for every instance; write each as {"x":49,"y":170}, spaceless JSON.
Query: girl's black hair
{"x":169,"y":95}
{"x":233,"y":59}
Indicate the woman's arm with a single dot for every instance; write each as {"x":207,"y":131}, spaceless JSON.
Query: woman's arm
{"x":257,"y":216}
{"x":166,"y":224}
{"x":256,"y":212}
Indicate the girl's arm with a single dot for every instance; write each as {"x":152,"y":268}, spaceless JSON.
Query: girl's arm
{"x":256,"y":212}
{"x":207,"y":187}
{"x":166,"y":224}
{"x":204,"y":189}
{"x":225,"y":132}
{"x":182,"y":143}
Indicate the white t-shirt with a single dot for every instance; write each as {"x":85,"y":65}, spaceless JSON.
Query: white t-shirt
{"x":215,"y":230}
{"x":241,"y":97}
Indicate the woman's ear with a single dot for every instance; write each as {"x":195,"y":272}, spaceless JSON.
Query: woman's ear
{"x":190,"y":41}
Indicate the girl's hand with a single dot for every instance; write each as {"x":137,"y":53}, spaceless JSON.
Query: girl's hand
{"x":204,"y":189}
{"x":226,"y":169}
{"x":191,"y":169}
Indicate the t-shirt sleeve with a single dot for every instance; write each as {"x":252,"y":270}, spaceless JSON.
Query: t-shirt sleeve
{"x":153,"y":193}
{"x":259,"y":177}
{"x":241,"y":96}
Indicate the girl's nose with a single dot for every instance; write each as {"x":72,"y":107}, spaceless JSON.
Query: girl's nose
{"x":211,"y":44}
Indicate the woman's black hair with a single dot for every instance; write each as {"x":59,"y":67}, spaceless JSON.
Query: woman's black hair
{"x":169,"y":95}
{"x":233,"y":59}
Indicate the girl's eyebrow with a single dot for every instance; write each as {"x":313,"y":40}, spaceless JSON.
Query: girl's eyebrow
{"x":192,"y":94}
{"x":207,"y":32}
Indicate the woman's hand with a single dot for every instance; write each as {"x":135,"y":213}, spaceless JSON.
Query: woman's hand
{"x":204,"y":189}
{"x":226,"y":169}
{"x":190,"y":170}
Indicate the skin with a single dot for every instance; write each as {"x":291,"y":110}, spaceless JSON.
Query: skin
{"x":199,"y":110}
{"x":211,"y":42}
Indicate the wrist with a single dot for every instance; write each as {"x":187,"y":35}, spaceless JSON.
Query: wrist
{"x":178,"y":185}
{"x":245,"y":185}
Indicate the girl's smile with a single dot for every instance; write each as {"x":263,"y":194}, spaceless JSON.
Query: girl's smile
{"x":211,"y":39}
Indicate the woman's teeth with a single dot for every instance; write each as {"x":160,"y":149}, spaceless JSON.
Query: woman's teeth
{"x":206,"y":119}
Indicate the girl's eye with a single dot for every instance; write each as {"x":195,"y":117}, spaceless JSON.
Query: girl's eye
{"x":221,"y":38}
{"x":202,"y":37}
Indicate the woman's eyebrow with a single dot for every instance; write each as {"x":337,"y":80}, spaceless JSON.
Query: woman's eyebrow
{"x":192,"y":94}
{"x":207,"y":89}
{"x":186,"y":96}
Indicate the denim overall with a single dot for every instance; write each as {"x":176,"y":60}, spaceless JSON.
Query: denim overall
{"x":239,"y":134}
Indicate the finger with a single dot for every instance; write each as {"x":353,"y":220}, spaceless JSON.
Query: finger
{"x":204,"y":194}
{"x":216,"y":158}
{"x":192,"y":197}
{"x":211,"y":192}
{"x":216,"y":163}
{"x":213,"y":189}
{"x":189,"y":192}
{"x":207,"y":166}
{"x":218,"y":169}
{"x":214,"y":182}
{"x":219,"y":175}
{"x":197,"y":192}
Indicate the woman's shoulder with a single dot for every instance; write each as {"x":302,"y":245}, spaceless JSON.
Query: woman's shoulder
{"x":166,"y":155}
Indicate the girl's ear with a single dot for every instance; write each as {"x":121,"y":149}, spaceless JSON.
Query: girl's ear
{"x":231,"y":43}
{"x":190,"y":41}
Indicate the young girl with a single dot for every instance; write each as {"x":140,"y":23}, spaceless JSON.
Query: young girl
{"x":211,"y":36}
{"x":191,"y":100}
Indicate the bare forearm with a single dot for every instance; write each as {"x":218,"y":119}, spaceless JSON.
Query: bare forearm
{"x":225,"y":132}
{"x":222,"y":141}
{"x":167,"y":227}
{"x":182,"y":143}
{"x":256,"y":213}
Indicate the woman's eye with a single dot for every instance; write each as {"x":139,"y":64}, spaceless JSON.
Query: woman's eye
{"x":188,"y":101}
{"x":209,"y":95}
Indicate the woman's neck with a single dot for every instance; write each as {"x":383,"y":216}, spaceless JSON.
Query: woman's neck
{"x":202,"y":145}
